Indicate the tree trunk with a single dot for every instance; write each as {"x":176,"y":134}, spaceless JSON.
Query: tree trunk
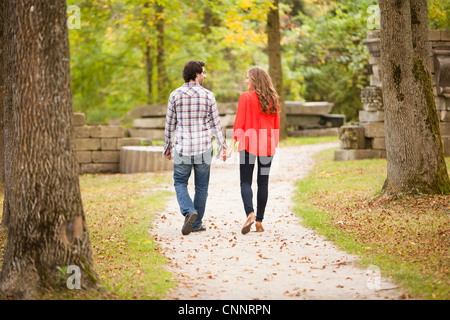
{"x":47,"y":227}
{"x":2,"y":96}
{"x":415,"y":156}
{"x":8,"y":119}
{"x":149,"y":71}
{"x":275,"y":67}
{"x":162,"y":77}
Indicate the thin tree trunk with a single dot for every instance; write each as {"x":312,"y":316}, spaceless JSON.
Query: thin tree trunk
{"x":160,"y":60}
{"x":415,"y":155}
{"x":149,"y":72}
{"x":275,"y":67}
{"x":47,"y":227}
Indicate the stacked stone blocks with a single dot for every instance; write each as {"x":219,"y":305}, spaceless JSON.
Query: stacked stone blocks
{"x":366,"y":139}
{"x":98,"y":146}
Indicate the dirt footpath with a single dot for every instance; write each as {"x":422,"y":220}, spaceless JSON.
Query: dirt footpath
{"x":287,"y":261}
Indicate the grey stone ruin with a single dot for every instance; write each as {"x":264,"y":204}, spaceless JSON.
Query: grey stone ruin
{"x":366,"y":139}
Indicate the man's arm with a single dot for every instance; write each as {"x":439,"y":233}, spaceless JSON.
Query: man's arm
{"x":170,"y":126}
{"x":217,"y":128}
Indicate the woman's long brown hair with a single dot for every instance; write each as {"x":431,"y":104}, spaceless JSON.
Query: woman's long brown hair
{"x":268,"y":96}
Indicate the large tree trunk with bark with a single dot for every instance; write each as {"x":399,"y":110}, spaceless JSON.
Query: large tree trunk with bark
{"x":415,"y":156}
{"x":2,"y":95}
{"x":47,"y":227}
{"x":8,"y":71}
{"x":275,"y":67}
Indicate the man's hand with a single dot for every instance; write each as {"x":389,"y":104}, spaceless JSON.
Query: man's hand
{"x":168,"y":155}
{"x":224,"y":154}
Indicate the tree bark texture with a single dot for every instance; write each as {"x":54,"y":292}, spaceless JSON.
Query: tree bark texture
{"x":8,"y":119}
{"x":275,"y":67}
{"x":47,"y":227}
{"x":2,"y":96}
{"x":415,"y":156}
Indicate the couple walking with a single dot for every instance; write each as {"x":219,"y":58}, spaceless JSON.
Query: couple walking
{"x":192,"y":120}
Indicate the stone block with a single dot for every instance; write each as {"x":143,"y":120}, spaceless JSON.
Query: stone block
{"x":122,"y":142}
{"x":152,"y":123}
{"x":446,"y":143}
{"x":112,"y":131}
{"x":109,"y":144}
{"x":378,"y":143}
{"x":444,"y":115}
{"x":152,"y":134}
{"x":441,"y":103}
{"x":79,"y":119}
{"x":84,"y":156}
{"x":445,"y":35}
{"x":99,"y":168}
{"x":375,"y":81}
{"x":325,"y":132}
{"x":311,"y":108}
{"x":374,"y":129}
{"x":434,"y":35}
{"x":352,"y":137}
{"x":87,"y":131}
{"x":227,"y":120}
{"x":305,"y":121}
{"x":105,"y":156}
{"x":143,"y":159}
{"x":445,"y":128}
{"x":372,"y":98}
{"x":358,"y":154}
{"x":371,"y":116}
{"x":85,"y":144}
{"x":227,"y":108}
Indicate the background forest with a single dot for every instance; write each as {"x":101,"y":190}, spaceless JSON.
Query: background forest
{"x":131,"y":52}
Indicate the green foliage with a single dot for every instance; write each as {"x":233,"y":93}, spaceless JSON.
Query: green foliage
{"x":324,"y":52}
{"x":323,"y":55}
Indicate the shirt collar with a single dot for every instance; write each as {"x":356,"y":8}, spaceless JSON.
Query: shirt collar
{"x":190,"y":88}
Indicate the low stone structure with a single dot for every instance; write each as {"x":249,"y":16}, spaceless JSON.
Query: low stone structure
{"x":98,"y":147}
{"x":366,"y":139}
{"x":303,"y":119}
{"x":312,"y":119}
{"x":143,"y":159}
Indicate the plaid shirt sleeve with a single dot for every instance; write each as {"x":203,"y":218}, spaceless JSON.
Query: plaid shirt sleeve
{"x":216,"y":127}
{"x":171,"y":124}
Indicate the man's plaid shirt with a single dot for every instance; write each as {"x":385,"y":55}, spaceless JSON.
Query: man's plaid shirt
{"x":192,"y":119}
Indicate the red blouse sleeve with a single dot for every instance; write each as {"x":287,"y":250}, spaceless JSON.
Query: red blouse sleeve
{"x":239,"y":122}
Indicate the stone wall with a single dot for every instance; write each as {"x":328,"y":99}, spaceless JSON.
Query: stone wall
{"x":303,"y":119}
{"x":366,"y":138}
{"x":98,"y":146}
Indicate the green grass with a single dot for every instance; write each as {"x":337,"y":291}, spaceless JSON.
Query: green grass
{"x":406,"y":237}
{"x":119,"y":211}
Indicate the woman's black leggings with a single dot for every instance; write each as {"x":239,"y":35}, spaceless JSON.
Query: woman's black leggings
{"x":246,"y":166}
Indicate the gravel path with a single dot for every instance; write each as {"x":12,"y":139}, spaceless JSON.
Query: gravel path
{"x":287,"y":261}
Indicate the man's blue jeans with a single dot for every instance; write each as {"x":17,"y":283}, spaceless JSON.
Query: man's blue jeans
{"x":183,"y":166}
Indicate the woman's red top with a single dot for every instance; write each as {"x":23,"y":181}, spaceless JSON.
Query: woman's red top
{"x":256,"y":132}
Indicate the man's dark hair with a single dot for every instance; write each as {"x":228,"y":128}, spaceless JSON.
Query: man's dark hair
{"x":191,"y":69}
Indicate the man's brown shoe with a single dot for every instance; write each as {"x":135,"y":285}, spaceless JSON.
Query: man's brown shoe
{"x":259,"y":227}
{"x":248,"y":224}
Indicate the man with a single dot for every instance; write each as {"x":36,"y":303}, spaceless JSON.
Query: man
{"x":192,"y":120}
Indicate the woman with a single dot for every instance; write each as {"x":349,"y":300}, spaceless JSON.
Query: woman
{"x":256,"y":128}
